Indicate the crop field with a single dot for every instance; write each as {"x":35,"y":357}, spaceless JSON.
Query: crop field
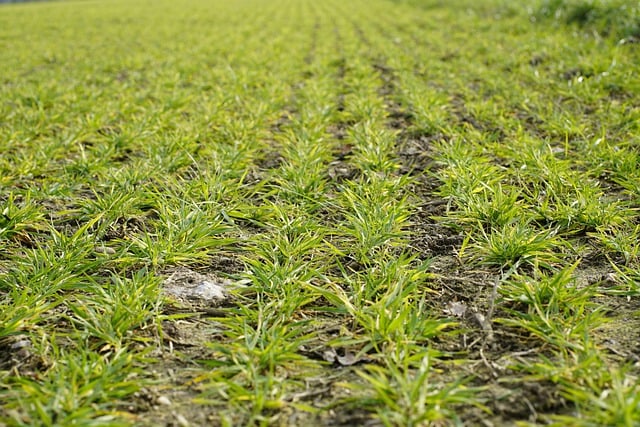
{"x":320,"y":213}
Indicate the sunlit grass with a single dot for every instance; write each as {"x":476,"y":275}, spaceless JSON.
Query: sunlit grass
{"x":266,"y":143}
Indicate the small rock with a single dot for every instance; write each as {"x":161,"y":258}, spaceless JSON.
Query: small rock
{"x":456,"y":309}
{"x":329,"y":355}
{"x":188,"y":285}
{"x":348,"y":359}
{"x":24,"y":343}
{"x":163,"y":400}
{"x":182,"y":421}
{"x":104,"y":250}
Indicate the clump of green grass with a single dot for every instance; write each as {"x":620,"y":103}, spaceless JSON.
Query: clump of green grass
{"x":404,"y":394}
{"x":80,"y":387}
{"x":621,"y":242}
{"x":613,"y":401}
{"x":515,"y":245}
{"x":558,"y":312}
{"x":18,"y":219}
{"x":552,"y":307}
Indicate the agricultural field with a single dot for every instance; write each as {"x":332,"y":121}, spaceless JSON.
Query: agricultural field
{"x":320,"y":213}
